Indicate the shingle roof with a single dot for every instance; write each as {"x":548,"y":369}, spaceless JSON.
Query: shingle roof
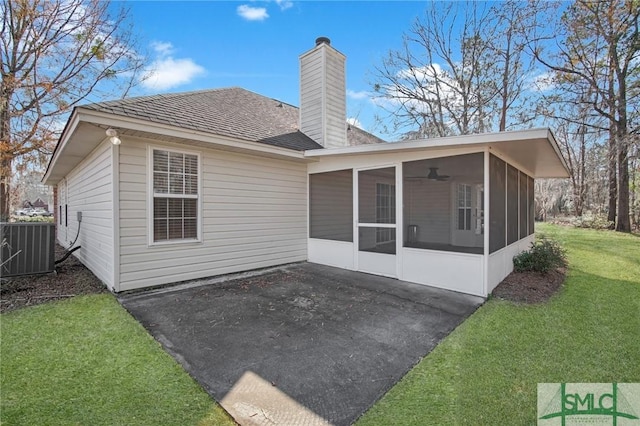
{"x":357,"y":136}
{"x":232,"y":112}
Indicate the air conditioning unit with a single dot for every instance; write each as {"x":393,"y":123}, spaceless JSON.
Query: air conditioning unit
{"x":27,"y":248}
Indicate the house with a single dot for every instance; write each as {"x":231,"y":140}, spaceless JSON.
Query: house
{"x":174,"y":187}
{"x":37,"y":204}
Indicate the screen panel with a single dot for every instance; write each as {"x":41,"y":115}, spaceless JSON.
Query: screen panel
{"x":532,"y":210}
{"x":524,"y":205}
{"x":331,"y":205}
{"x":497,"y":203}
{"x":512,"y":204}
{"x":443,"y":203}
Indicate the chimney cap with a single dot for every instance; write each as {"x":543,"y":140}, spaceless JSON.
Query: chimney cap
{"x":323,"y":40}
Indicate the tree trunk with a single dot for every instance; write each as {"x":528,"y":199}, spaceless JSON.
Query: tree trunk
{"x":583,"y":172}
{"x":623,"y":224}
{"x":6,"y":158}
{"x":502,"y":126}
{"x":578,"y":177}
{"x":613,"y":177}
{"x":5,"y":178}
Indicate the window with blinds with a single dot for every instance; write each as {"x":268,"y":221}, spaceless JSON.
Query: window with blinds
{"x":175,"y":195}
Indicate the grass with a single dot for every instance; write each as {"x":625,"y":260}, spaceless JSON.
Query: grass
{"x":487,"y":370}
{"x":87,"y":361}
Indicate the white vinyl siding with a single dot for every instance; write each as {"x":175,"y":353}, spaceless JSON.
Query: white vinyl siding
{"x":254,"y":215}
{"x":432,"y":213}
{"x":89,"y":190}
{"x":323,"y":96}
{"x":61,"y":225}
{"x":336,"y":101}
{"x":311,"y":95}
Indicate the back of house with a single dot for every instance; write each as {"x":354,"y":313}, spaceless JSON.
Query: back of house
{"x":173,"y":187}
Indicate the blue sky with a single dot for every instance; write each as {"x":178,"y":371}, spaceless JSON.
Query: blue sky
{"x":256,"y":44}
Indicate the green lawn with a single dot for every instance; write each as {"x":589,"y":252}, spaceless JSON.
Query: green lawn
{"x":487,"y":370}
{"x":86,"y":361}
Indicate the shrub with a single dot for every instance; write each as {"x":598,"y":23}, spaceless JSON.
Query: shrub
{"x":593,"y":222}
{"x":32,"y":219}
{"x":543,"y":256}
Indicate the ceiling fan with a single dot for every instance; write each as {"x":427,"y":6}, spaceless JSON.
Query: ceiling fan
{"x":432,"y":175}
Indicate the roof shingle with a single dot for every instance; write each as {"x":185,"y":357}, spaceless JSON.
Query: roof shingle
{"x":232,"y":112}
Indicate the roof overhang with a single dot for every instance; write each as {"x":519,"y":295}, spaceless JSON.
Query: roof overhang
{"x":536,"y":149}
{"x":85,"y":130}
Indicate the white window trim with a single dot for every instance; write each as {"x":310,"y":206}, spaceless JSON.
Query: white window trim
{"x":391,"y":187}
{"x":150,"y":198}
{"x":467,"y":207}
{"x":480,"y":211}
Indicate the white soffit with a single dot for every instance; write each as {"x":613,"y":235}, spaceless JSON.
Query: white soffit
{"x":536,"y":149}
{"x":86,"y":130}
{"x":77,"y":141}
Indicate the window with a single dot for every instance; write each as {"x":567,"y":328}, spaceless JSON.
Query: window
{"x":464,"y":207}
{"x":175,"y":195}
{"x":385,"y":211}
{"x":480,"y":207}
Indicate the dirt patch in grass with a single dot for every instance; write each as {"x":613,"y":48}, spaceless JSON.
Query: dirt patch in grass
{"x":71,"y":278}
{"x":530,"y":287}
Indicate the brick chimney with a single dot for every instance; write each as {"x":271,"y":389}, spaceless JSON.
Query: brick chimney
{"x":323,"y":99}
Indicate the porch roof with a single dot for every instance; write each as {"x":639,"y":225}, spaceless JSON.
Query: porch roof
{"x":536,"y":149}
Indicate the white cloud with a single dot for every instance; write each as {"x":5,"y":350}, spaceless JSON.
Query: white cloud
{"x":252,"y":13}
{"x":284,"y":4}
{"x":363,"y":94}
{"x":162,"y":48}
{"x":543,"y":82}
{"x":166,"y":71}
{"x":354,"y":122}
{"x":429,"y":82}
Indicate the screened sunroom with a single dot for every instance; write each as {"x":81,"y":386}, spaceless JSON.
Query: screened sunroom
{"x":449,"y":213}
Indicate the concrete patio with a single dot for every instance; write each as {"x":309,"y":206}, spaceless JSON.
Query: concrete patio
{"x":299,"y":344}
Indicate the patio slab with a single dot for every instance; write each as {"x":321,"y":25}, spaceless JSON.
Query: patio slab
{"x":299,"y":344}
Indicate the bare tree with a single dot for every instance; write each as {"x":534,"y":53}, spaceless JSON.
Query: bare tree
{"x":597,"y":44}
{"x":511,"y":64}
{"x":634,"y":163}
{"x":55,"y":54}
{"x":435,"y":85}
{"x":30,"y":187}
{"x":464,"y":68}
{"x":549,"y":197}
{"x":576,"y":141}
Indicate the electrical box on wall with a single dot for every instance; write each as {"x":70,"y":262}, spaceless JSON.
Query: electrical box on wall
{"x":79,"y":216}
